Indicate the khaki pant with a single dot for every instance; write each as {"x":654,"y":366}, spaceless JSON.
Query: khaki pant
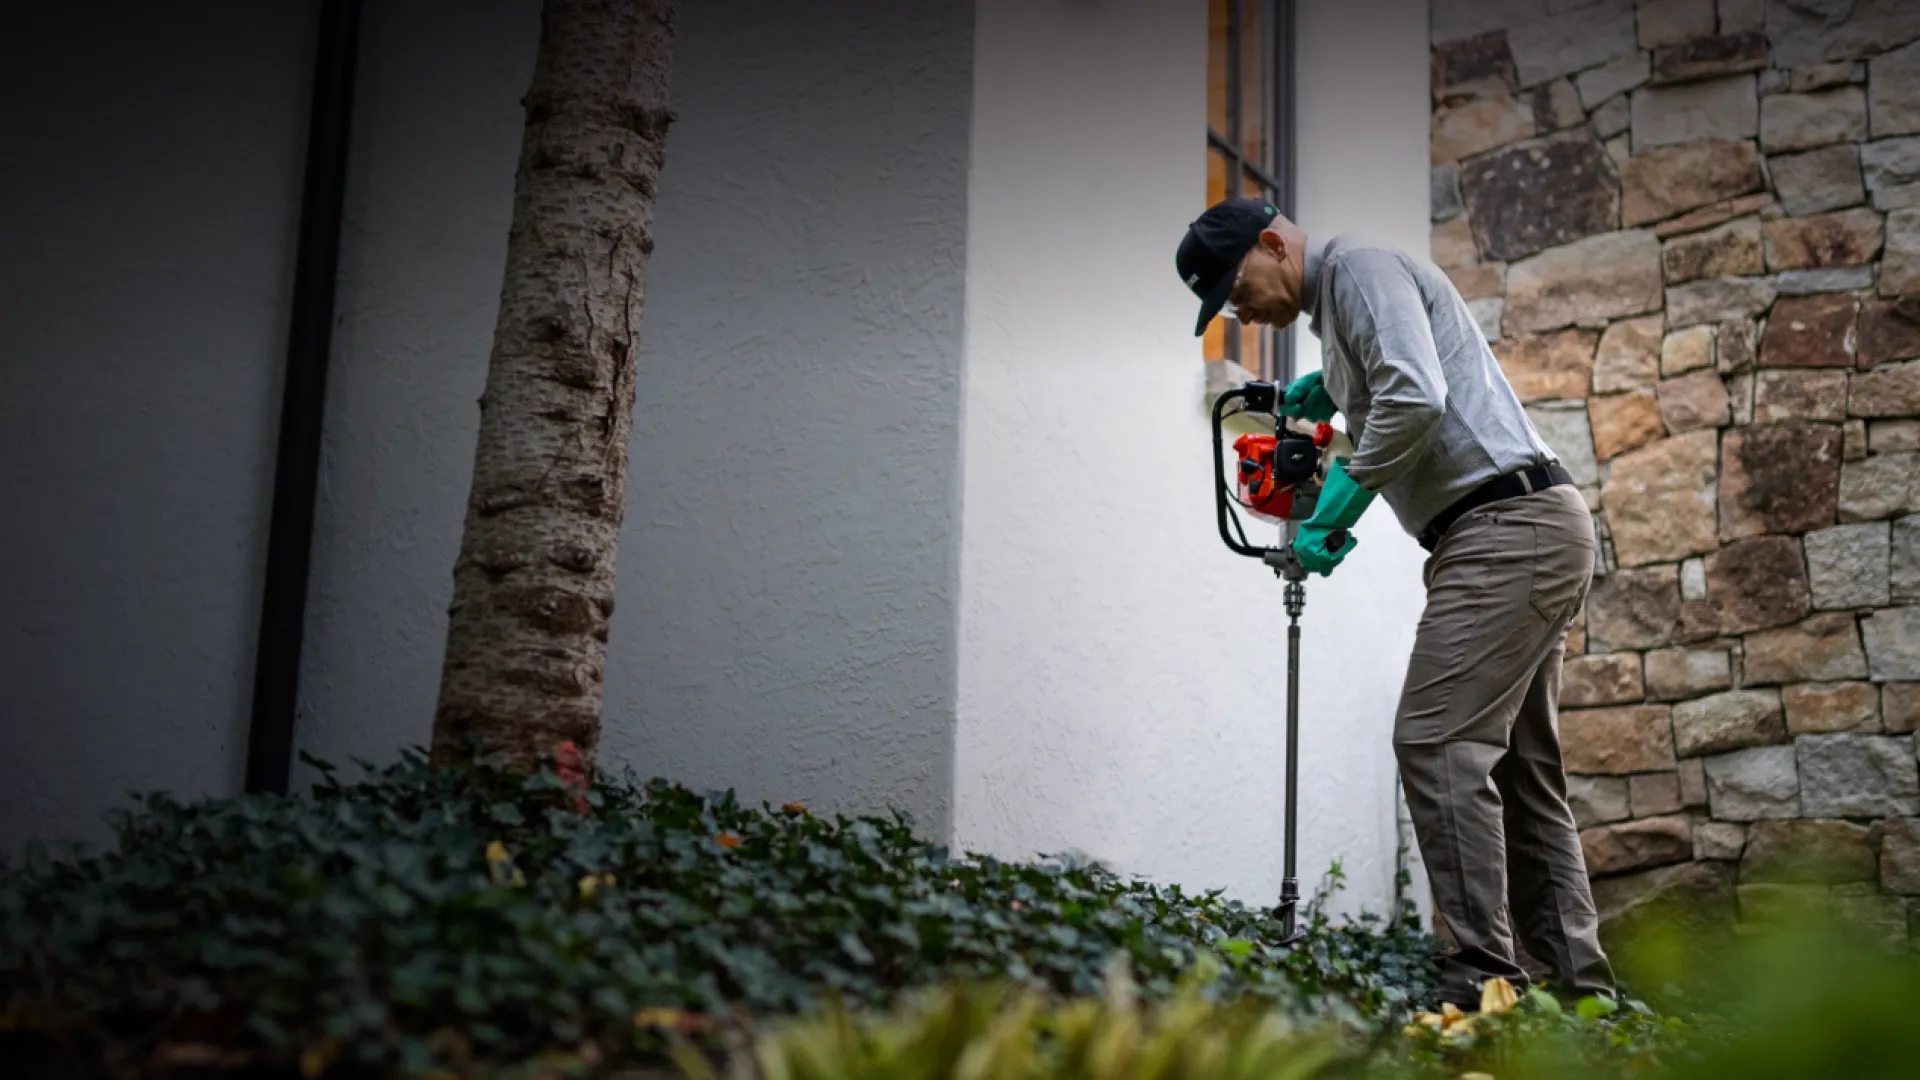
{"x":1477,"y":738}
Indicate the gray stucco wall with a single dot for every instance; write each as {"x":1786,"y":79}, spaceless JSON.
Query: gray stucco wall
{"x":149,"y":199}
{"x":785,"y":619}
{"x":436,"y":132}
{"x":785,"y":622}
{"x":786,"y":614}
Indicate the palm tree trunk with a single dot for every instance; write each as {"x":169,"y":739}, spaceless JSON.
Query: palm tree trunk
{"x":533,"y":584}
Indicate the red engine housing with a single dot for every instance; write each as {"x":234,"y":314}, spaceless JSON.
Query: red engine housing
{"x":1262,"y":492}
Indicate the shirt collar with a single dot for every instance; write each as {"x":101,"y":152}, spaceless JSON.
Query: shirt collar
{"x":1310,"y":284}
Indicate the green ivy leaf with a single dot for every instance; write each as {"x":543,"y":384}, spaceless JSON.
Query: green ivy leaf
{"x":1594,"y":1007}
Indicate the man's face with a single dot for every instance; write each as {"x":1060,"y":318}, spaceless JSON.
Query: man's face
{"x":1267,"y":292}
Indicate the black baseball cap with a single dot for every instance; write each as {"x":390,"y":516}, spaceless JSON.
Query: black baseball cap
{"x":1216,"y":242}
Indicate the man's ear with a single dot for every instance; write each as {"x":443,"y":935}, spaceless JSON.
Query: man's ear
{"x":1275,"y":243}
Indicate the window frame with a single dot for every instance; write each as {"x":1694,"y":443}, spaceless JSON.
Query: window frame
{"x":1276,"y":175}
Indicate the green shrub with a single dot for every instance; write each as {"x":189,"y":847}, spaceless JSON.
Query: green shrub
{"x":425,"y":918}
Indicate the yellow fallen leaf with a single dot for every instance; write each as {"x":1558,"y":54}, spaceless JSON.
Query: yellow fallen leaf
{"x":450,"y":1045}
{"x":587,"y":886}
{"x":316,"y":1059}
{"x":727,"y":840}
{"x":1497,"y":996}
{"x":496,"y":852}
{"x":1450,"y":1013}
{"x":677,"y":1019}
{"x":190,"y":1054}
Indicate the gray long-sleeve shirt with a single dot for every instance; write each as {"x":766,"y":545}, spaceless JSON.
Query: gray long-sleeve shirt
{"x":1430,"y":412}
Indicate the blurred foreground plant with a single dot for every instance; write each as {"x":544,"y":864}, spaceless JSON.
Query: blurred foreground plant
{"x":1805,"y":997}
{"x":999,"y":1030}
{"x":1804,"y":992}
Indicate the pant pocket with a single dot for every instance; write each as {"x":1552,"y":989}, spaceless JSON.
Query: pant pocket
{"x":1562,"y":568}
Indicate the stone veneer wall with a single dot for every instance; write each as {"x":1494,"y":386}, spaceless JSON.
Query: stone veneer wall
{"x":1693,"y":232}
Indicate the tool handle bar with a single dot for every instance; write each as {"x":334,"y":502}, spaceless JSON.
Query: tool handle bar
{"x":1254,"y":393}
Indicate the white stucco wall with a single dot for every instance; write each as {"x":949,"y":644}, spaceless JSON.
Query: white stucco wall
{"x":149,"y":206}
{"x":1121,"y":671}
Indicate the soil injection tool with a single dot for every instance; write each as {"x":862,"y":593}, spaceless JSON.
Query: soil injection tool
{"x":1279,"y":481}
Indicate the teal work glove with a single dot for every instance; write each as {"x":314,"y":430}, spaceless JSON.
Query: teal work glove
{"x":1307,"y":399}
{"x":1341,"y":503}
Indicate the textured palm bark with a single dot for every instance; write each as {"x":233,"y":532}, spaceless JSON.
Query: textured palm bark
{"x":533,"y":584}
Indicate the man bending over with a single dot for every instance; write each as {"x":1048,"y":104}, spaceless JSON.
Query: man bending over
{"x":1439,"y":435}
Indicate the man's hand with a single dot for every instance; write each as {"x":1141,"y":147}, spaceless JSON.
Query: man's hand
{"x":1310,"y":547}
{"x":1341,"y":503}
{"x":1307,"y":399}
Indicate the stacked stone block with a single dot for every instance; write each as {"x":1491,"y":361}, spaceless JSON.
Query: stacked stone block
{"x":1692,"y":232}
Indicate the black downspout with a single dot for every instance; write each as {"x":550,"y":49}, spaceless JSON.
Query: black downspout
{"x":1286,"y":137}
{"x":283,"y":610}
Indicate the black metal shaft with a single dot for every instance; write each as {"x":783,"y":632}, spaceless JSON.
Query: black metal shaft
{"x":1296,"y":600}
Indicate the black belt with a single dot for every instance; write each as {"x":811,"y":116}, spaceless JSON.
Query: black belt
{"x":1511,"y":486}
